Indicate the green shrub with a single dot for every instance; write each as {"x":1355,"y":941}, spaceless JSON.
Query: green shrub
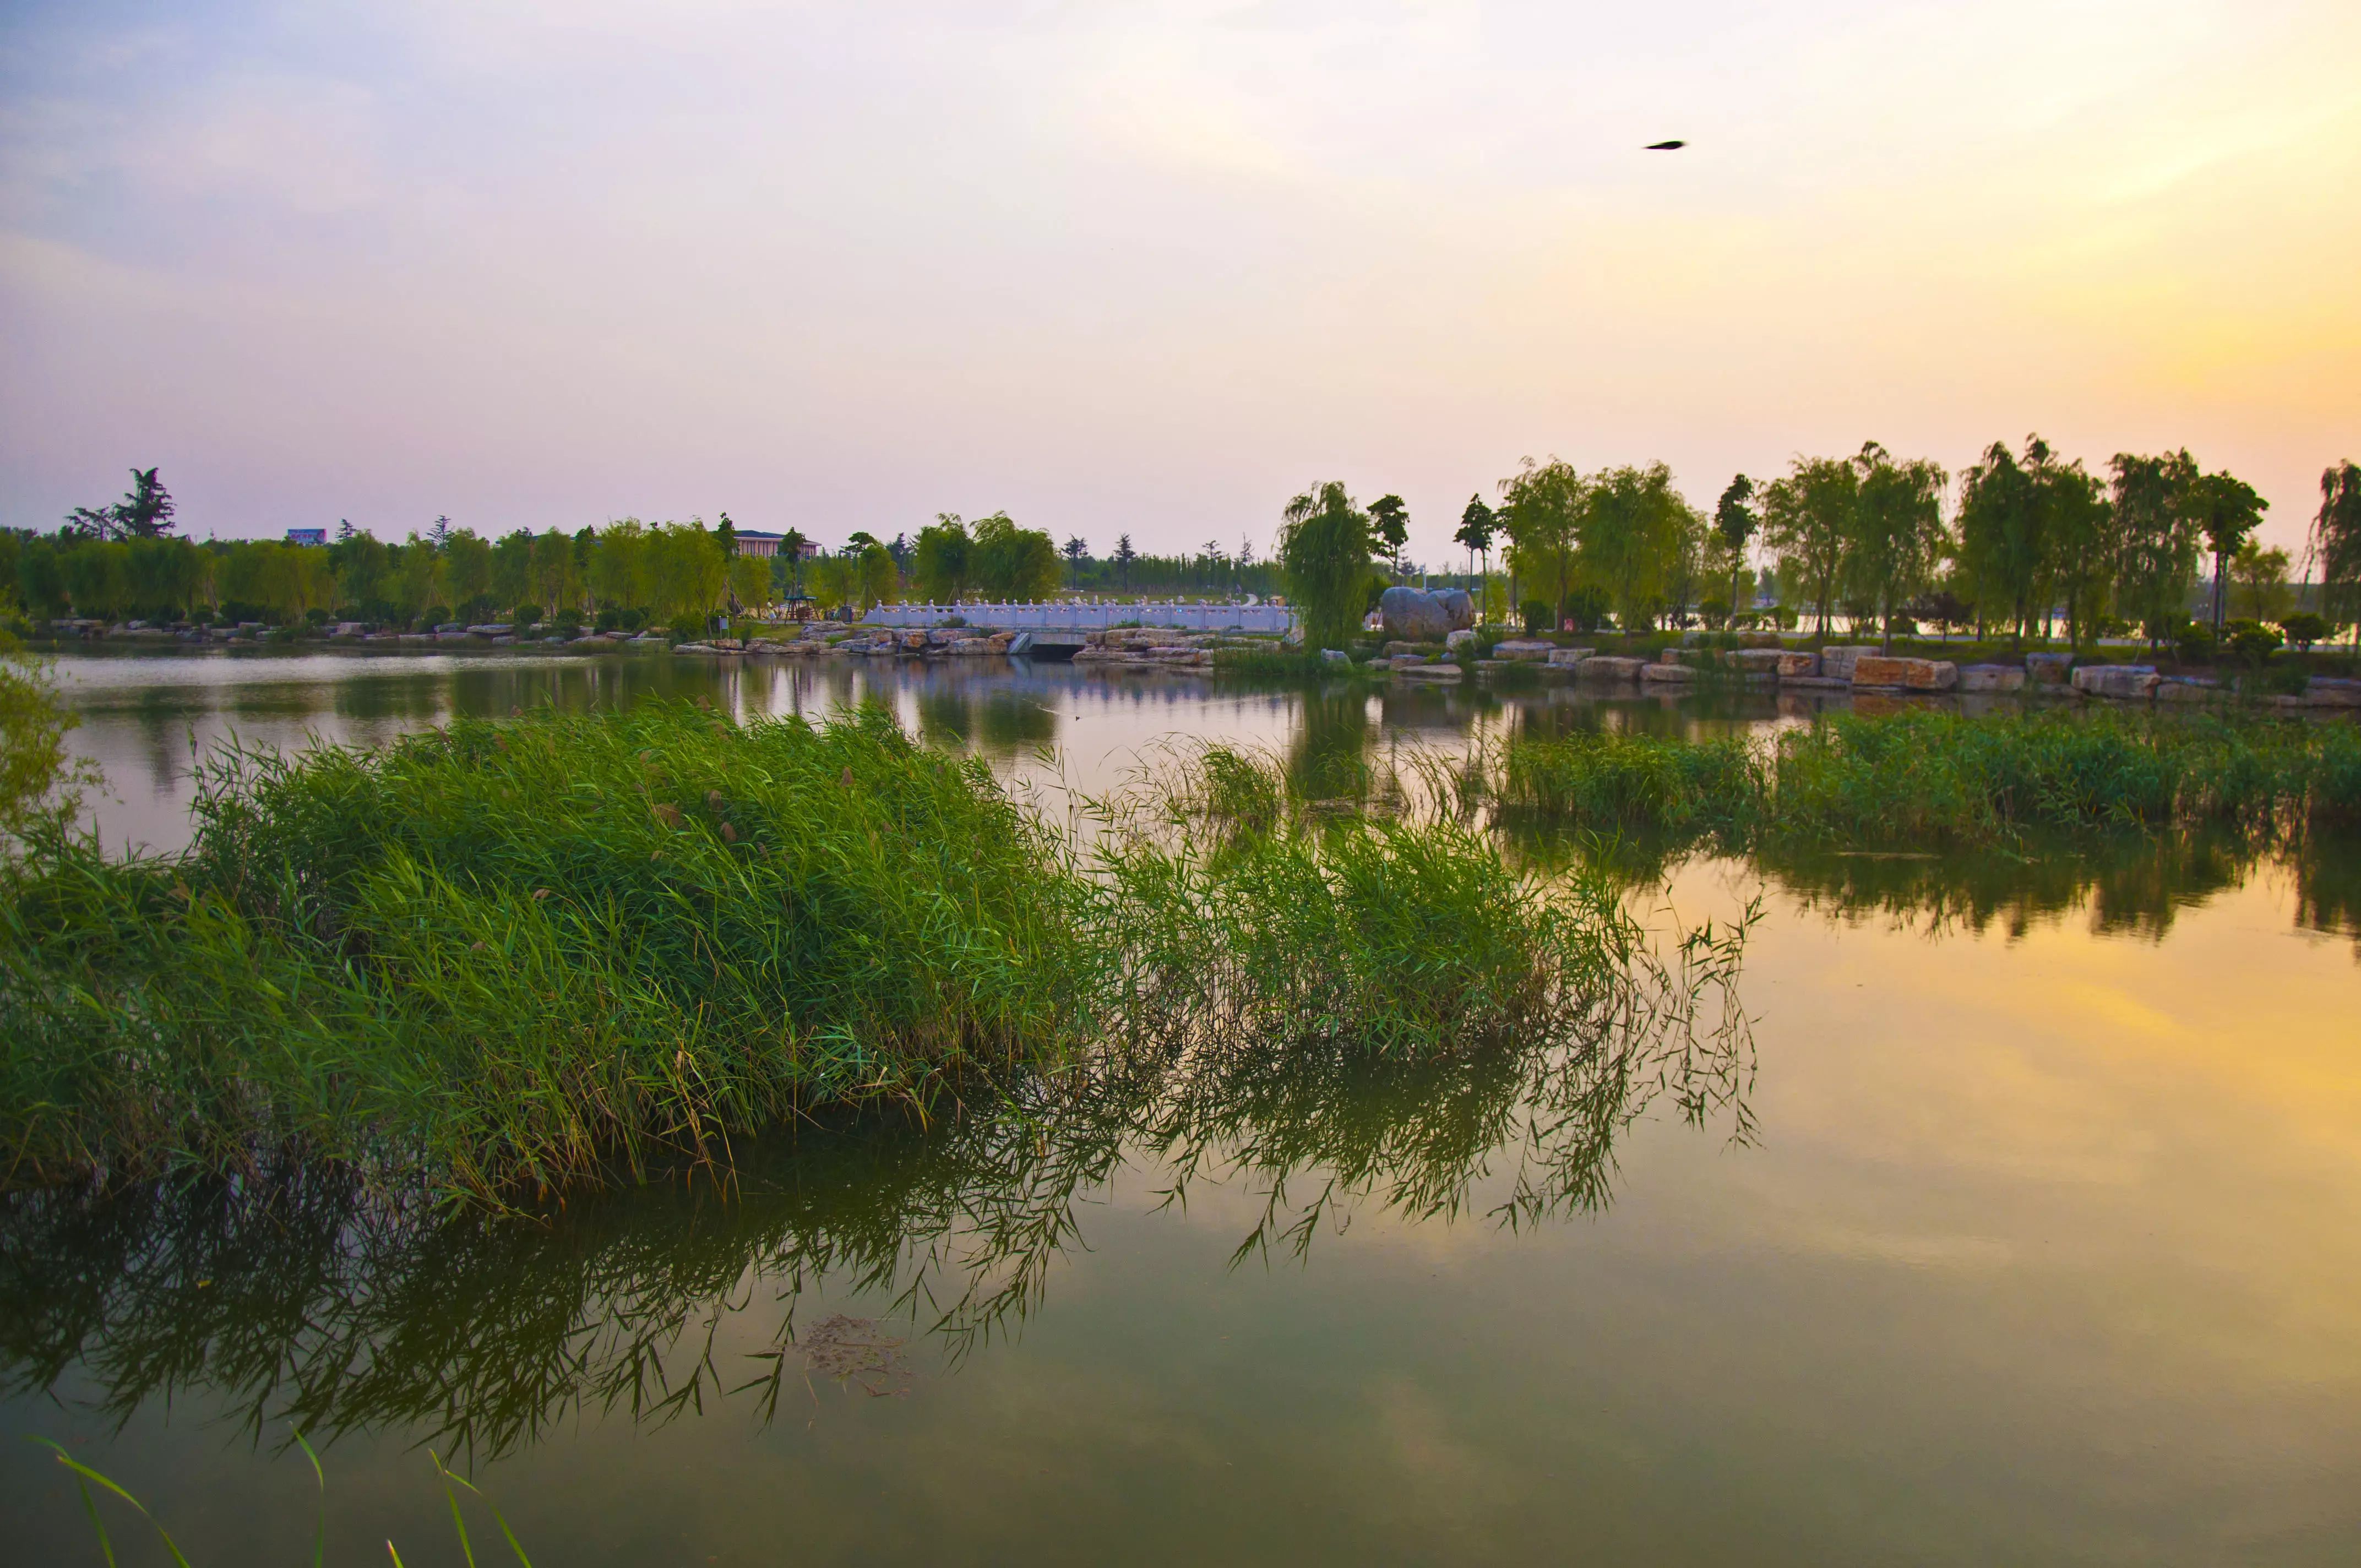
{"x":2303,"y":629}
{"x":2252,"y":641}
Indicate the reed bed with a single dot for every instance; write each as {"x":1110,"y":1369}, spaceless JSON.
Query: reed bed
{"x":506,"y":953}
{"x":1927,"y":779}
{"x":505,"y":957}
{"x":1610,"y":780}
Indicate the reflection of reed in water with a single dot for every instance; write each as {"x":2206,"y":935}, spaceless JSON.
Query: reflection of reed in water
{"x":302,"y":1296}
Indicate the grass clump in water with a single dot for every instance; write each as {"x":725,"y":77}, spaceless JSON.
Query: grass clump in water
{"x":1609,"y":779}
{"x":504,"y":957}
{"x":1938,"y":778}
{"x":503,"y":954}
{"x":1247,"y":910}
{"x":1919,"y":779}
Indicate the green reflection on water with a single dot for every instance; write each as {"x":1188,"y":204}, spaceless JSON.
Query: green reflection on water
{"x":300,"y":1297}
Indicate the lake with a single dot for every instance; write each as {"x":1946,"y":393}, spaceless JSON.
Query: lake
{"x":2024,"y":1224}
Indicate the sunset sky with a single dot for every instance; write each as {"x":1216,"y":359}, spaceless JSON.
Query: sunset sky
{"x":1150,"y":268}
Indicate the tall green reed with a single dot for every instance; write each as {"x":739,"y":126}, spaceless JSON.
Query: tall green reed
{"x":505,"y":957}
{"x":1927,"y":779}
{"x":505,"y":953}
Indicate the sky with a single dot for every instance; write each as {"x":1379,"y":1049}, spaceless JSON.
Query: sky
{"x":1150,"y":268}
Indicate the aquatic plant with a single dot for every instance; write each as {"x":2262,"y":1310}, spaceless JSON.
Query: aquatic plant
{"x":1614,"y":779}
{"x":1247,"y":907}
{"x":508,"y":952}
{"x":85,"y":1476}
{"x":40,"y":783}
{"x":505,"y":957}
{"x":1924,"y":779}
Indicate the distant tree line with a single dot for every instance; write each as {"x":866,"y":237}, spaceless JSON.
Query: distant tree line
{"x":1870,"y":537}
{"x":627,"y":572}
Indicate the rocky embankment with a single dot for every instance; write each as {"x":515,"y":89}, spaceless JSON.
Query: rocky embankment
{"x":1842,"y":669}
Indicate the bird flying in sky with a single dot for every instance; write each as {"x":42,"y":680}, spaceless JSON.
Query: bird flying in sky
{"x":1665,"y":146}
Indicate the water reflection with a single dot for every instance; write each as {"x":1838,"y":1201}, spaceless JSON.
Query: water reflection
{"x":297,"y":1296}
{"x":146,"y":717}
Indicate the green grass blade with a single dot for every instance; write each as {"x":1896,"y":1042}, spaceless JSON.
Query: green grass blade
{"x":466,"y":1550}
{"x":498,"y":1519}
{"x":320,"y":1540}
{"x":88,"y":1475}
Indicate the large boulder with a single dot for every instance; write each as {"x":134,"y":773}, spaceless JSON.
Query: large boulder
{"x":1795,"y":664}
{"x":1879,"y":670}
{"x":1991,"y":677}
{"x":2125,"y":683}
{"x":1567,"y":658}
{"x":2048,"y":669}
{"x":1837,"y":663}
{"x":1529,"y":651}
{"x":1459,"y":606}
{"x":1415,"y":616}
{"x":1607,"y":667}
{"x":1758,"y":660}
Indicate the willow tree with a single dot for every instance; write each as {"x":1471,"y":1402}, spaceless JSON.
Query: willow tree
{"x":940,"y":568}
{"x":1808,"y":521}
{"x":1014,"y":563}
{"x":1541,"y":511}
{"x":1324,"y":553}
{"x":1637,"y":540}
{"x":2156,"y":538}
{"x":2079,"y":527}
{"x":467,"y":566}
{"x":2336,"y":545}
{"x":1897,"y":531}
{"x":2004,"y":545}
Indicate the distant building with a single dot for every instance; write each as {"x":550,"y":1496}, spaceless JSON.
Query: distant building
{"x":307,"y":536}
{"x":754,"y":541}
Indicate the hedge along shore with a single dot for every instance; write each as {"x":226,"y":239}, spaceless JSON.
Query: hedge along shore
{"x":504,"y":957}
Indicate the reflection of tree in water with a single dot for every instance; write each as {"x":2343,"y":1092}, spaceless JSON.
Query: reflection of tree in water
{"x":985,"y":712}
{"x":296,"y":1295}
{"x":2132,"y":884}
{"x":2328,"y":885}
{"x":1329,"y":757}
{"x":377,"y":696}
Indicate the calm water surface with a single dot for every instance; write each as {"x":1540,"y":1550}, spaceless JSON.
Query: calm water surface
{"x":2027,"y":1230}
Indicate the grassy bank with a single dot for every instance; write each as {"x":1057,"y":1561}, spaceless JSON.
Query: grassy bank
{"x":504,"y":957}
{"x":1927,"y":779}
